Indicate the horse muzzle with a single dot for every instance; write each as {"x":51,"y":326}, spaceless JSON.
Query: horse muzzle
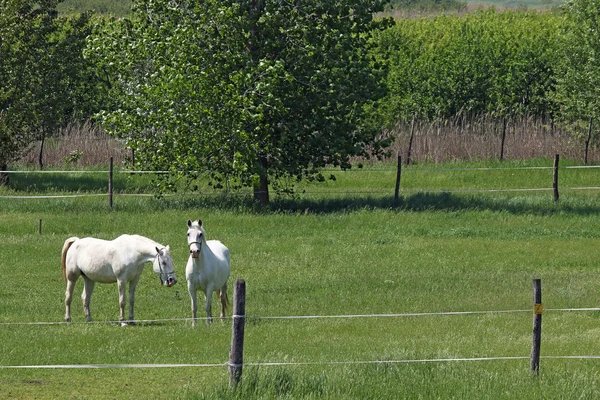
{"x":170,"y":281}
{"x":194,"y":253}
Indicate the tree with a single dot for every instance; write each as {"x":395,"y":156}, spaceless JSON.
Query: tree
{"x":40,"y":67}
{"x":250,"y":91}
{"x":579,"y":75}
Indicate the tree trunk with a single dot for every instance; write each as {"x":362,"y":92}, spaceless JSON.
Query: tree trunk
{"x":3,"y":175}
{"x":261,"y":192}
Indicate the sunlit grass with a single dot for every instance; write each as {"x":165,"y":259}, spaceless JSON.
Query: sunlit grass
{"x":316,"y":256}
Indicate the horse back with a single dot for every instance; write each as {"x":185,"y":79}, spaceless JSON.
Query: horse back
{"x":219,"y":250}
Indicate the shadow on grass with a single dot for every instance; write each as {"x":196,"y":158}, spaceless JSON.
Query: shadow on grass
{"x":422,"y":201}
{"x":86,"y":181}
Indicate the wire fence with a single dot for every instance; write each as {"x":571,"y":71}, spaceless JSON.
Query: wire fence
{"x":368,"y":192}
{"x":305,"y":363}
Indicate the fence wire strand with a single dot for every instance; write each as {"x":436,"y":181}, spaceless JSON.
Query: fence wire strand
{"x":307,"y":363}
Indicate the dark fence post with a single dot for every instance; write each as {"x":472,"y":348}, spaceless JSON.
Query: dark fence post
{"x":236,"y":352}
{"x":40,"y":227}
{"x":410,"y":141}
{"x":110,"y":183}
{"x":537,"y":327}
{"x":587,"y":141}
{"x":555,"y":178}
{"x":503,"y":139}
{"x":398,"y":175}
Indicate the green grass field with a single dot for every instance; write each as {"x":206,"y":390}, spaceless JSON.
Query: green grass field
{"x":343,"y":252}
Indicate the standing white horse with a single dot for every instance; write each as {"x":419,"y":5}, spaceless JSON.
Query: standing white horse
{"x":121,"y":260}
{"x":207,"y":269}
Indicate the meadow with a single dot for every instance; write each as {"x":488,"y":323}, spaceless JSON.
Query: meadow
{"x":343,"y":248}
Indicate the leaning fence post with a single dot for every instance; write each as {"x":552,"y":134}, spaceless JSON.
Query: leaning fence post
{"x":537,"y":327}
{"x":555,"y":178}
{"x":110,"y":183}
{"x":236,"y":352}
{"x":398,"y":175}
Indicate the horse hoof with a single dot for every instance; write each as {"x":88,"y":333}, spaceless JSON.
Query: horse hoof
{"x":124,"y":323}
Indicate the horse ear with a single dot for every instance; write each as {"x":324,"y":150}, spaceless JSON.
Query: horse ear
{"x":199,"y":222}
{"x":189,"y":223}
{"x":157,"y":250}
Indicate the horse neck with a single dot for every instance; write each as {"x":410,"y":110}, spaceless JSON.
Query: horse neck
{"x":205,"y":254}
{"x":146,"y":248}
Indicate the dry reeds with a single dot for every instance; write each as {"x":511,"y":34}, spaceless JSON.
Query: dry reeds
{"x":459,"y":139}
{"x":469,"y":139}
{"x":79,"y":144}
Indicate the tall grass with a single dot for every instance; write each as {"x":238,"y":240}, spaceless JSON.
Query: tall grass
{"x":318,"y":255}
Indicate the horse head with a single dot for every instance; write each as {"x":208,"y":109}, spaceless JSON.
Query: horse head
{"x":195,"y":237}
{"x":163,"y":266}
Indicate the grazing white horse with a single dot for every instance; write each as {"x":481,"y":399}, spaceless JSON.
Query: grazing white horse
{"x":121,"y":260}
{"x":207,"y":269}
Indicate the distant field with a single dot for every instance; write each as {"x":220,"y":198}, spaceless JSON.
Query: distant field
{"x":123,"y":7}
{"x":516,"y":4}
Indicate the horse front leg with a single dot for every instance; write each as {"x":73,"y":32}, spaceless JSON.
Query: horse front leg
{"x":208,"y":306}
{"x":122,"y":288}
{"x":88,"y":288}
{"x":132,"y":286}
{"x":192,"y":292}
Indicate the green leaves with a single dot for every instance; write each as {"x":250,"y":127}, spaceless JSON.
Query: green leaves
{"x":247,"y":91}
{"x":42,"y":73}
{"x":485,"y":62}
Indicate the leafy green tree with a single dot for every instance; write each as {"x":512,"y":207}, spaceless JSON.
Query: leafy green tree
{"x":501,"y":63}
{"x":40,"y":69}
{"x":579,"y":77}
{"x":250,"y":91}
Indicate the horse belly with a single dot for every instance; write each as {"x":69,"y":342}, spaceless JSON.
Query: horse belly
{"x":96,"y":267}
{"x":100,"y":273}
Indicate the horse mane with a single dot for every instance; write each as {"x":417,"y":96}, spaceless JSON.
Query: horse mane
{"x":198,"y":225}
{"x":65,"y":249}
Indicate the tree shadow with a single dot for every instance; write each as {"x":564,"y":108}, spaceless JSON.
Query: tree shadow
{"x":418,"y":202}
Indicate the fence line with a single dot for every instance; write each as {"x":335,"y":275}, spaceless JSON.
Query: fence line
{"x":331,"y":193}
{"x":290,"y":363}
{"x":288,"y":317}
{"x":416,"y":169}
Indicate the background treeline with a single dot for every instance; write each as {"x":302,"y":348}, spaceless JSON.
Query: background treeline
{"x":505,"y":64}
{"x":501,"y":63}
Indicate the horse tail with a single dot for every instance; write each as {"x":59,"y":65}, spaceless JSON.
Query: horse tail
{"x":65,"y":249}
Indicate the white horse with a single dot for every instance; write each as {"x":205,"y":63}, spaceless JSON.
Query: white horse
{"x":207,"y":269}
{"x":121,"y":260}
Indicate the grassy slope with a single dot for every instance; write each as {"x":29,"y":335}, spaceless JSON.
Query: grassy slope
{"x":434,"y":253}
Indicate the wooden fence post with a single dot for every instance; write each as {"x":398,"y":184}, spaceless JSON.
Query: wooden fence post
{"x":110,"y":183}
{"x":398,"y":175}
{"x":587,"y":142}
{"x":236,"y":352}
{"x":503,"y":139}
{"x":534,"y":365}
{"x":555,"y":177}
{"x":410,"y":141}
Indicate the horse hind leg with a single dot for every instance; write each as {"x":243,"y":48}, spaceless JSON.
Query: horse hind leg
{"x":223,"y":296}
{"x":86,"y":295}
{"x":69,"y":298}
